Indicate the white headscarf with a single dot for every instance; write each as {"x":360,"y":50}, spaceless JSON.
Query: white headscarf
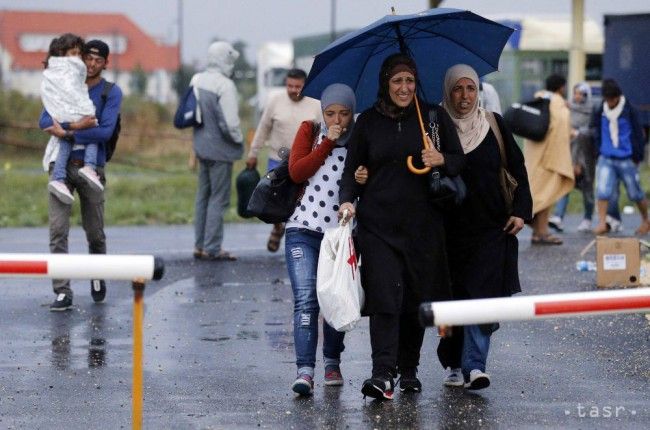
{"x":473,"y":126}
{"x":612,"y":116}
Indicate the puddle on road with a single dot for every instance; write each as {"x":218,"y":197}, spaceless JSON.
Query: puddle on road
{"x":245,"y":335}
{"x":215,"y":339}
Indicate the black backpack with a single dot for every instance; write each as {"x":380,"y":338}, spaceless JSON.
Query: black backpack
{"x":111,"y":143}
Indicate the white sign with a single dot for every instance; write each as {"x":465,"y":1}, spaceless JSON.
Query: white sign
{"x":614,"y":262}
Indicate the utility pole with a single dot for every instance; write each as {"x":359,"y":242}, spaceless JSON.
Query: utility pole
{"x":333,"y":21}
{"x":179,"y":5}
{"x":2,"y":53}
{"x":577,"y":50}
{"x":115,"y":56}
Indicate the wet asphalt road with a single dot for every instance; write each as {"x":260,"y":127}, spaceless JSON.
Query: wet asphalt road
{"x":219,"y":350}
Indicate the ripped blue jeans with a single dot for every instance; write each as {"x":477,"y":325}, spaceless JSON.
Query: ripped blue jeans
{"x":301,"y":249}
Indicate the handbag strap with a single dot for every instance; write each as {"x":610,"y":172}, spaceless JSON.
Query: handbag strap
{"x":433,"y":126}
{"x":491,"y":119}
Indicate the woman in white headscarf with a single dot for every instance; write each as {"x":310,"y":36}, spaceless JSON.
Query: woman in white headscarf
{"x":482,"y":243}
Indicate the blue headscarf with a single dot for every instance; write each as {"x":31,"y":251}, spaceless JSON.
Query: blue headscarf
{"x":339,"y":94}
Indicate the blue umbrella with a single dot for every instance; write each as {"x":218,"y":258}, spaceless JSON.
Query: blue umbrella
{"x":436,"y":39}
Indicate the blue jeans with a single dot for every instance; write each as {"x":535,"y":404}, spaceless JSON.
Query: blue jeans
{"x":476,"y":345}
{"x":612,"y":205}
{"x":59,"y":173}
{"x":610,"y":171}
{"x":588,"y":204}
{"x":272,"y":164}
{"x":301,"y":250}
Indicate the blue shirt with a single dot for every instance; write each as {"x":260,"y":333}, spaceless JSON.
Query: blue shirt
{"x":631,"y":141}
{"x":107,"y":116}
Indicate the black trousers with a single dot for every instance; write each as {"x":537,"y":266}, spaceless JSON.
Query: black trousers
{"x":450,"y":349}
{"x":396,"y":341}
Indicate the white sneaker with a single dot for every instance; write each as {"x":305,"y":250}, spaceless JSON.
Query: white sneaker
{"x":477,"y":380}
{"x":453,"y":377}
{"x":555,"y":222}
{"x":89,"y":174}
{"x":61,"y":192}
{"x":615,"y":226}
{"x":585,"y":226}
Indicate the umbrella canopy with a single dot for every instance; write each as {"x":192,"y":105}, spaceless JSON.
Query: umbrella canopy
{"x":436,"y":39}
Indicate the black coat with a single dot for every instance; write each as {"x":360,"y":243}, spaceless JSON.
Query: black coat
{"x":482,"y":257}
{"x":400,"y":234}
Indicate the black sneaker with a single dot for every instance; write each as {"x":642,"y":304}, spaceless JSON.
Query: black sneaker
{"x":408,"y":380}
{"x":63,"y":302}
{"x":98,"y":290}
{"x":378,"y":388}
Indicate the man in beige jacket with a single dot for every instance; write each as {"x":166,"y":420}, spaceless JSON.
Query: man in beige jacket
{"x":277,"y":129}
{"x":548,"y":162}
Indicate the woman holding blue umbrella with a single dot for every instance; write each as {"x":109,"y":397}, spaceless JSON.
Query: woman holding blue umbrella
{"x":400,"y":233}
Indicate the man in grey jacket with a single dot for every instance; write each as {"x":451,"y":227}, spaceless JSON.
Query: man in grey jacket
{"x":217,"y":143}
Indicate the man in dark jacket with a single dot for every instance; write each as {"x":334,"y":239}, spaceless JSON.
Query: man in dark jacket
{"x":619,"y":139}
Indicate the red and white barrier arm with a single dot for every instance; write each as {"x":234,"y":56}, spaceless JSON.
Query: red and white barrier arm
{"x":81,"y":266}
{"x":483,"y":311}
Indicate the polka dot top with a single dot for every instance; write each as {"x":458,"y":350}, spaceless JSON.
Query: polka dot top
{"x":319,"y":205}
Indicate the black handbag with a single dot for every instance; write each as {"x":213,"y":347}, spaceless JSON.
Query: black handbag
{"x":444,"y":190}
{"x":530,"y":119}
{"x":275,"y":196}
{"x":246,"y":182}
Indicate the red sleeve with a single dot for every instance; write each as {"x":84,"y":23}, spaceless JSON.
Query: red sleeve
{"x":303,"y":162}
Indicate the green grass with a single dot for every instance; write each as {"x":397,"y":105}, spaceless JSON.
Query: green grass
{"x":134,"y":195}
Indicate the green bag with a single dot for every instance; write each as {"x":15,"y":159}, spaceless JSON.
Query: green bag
{"x":245,"y":183}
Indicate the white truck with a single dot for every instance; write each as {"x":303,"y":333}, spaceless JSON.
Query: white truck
{"x":274,"y":59}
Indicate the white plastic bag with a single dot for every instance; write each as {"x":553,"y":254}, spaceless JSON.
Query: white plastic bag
{"x":338,"y":279}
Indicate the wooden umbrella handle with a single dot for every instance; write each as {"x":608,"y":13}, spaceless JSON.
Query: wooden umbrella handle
{"x":425,"y":143}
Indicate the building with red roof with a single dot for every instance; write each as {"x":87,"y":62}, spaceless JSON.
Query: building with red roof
{"x":26,"y":35}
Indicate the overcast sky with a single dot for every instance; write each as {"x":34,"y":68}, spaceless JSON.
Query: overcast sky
{"x":256,"y":21}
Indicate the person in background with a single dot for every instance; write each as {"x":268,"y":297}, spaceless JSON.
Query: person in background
{"x":548,"y":162}
{"x":217,"y":144}
{"x":282,"y":116}
{"x":91,"y":199}
{"x":317,"y":159}
{"x":620,"y":142}
{"x":584,"y":159}
{"x":400,"y":232}
{"x":482,"y":232}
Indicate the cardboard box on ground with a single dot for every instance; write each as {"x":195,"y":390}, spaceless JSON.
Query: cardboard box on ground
{"x":620,"y":261}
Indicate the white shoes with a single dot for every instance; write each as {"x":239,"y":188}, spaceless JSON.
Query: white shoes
{"x":584,"y":226}
{"x":615,"y":226}
{"x":61,"y":192}
{"x":89,"y":174}
{"x":453,"y":377}
{"x":477,"y":380}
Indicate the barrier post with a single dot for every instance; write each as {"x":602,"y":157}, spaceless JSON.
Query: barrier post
{"x":134,"y":268}
{"x":138,"y":319}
